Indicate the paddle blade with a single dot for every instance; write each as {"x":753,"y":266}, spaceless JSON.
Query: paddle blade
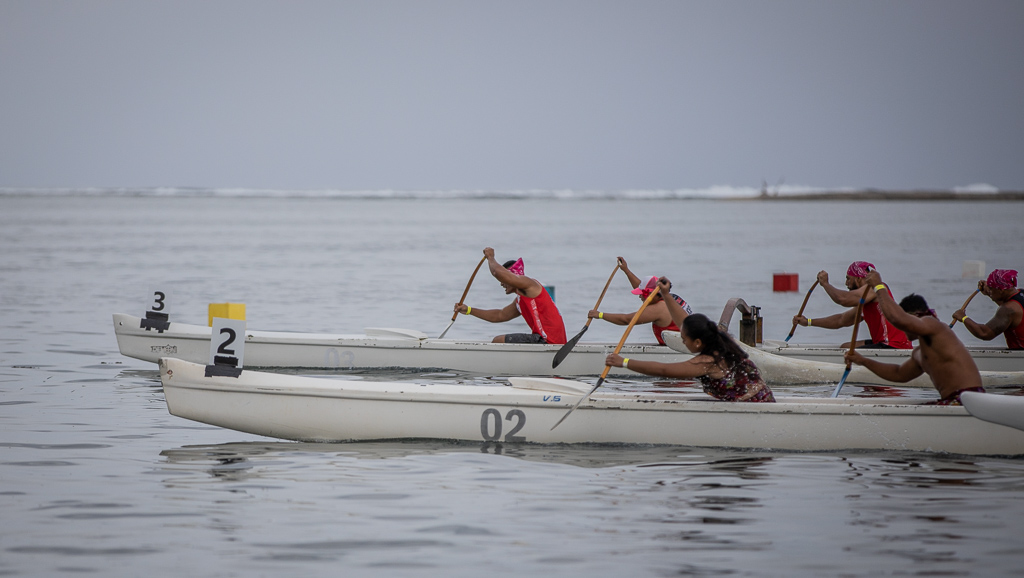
{"x":790,"y":336}
{"x":841,"y":382}
{"x":564,"y":351}
{"x":599,"y":382}
{"x":447,"y":328}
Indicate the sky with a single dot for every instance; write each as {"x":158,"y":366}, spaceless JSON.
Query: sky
{"x":489,"y":95}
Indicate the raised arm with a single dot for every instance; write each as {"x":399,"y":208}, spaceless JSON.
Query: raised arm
{"x":633,"y":279}
{"x":895,"y":314}
{"x":842,"y":296}
{"x":528,"y":286}
{"x":675,"y":310}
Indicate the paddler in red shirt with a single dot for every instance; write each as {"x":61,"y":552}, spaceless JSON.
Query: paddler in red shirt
{"x":532,"y":302}
{"x":1001,"y":287}
{"x":884,"y":335}
{"x":657,"y":313}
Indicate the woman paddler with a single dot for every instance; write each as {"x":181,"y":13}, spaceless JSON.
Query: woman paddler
{"x":657,"y":313}
{"x":723,"y":369}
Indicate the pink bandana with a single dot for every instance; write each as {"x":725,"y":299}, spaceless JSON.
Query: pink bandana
{"x":517,"y":267}
{"x":645,"y":291}
{"x":859,"y":269}
{"x":1002,"y":279}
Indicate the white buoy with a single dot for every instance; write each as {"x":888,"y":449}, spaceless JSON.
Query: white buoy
{"x":973,"y":270}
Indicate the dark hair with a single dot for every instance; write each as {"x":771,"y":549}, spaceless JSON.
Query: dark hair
{"x":717,"y":343}
{"x":914,"y":303}
{"x":509,"y":263}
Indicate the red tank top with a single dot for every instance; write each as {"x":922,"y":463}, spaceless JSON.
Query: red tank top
{"x":1015,"y":335}
{"x":671,"y":326}
{"x":882,"y":331}
{"x":543,"y":317}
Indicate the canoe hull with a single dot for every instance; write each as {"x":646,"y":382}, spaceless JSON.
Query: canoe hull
{"x":1004,"y":410}
{"x":988,"y":359}
{"x":404,"y":350}
{"x":312,"y":409}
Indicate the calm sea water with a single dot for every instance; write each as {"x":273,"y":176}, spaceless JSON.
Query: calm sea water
{"x":97,"y":478}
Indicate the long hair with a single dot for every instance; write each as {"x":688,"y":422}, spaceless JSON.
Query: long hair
{"x":716,"y":343}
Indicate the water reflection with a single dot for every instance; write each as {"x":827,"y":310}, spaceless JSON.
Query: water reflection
{"x":231,"y":459}
{"x":880,"y":391}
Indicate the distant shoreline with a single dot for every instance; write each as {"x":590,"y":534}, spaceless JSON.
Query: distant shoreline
{"x":638,"y":195}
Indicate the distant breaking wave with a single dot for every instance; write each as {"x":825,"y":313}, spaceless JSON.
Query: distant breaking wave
{"x":718,"y":192}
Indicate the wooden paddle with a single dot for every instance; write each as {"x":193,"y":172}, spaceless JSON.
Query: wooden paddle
{"x":801,"y":312}
{"x":464,"y":293}
{"x":853,"y":341}
{"x":564,"y":351}
{"x":618,"y":348}
{"x":964,"y":307}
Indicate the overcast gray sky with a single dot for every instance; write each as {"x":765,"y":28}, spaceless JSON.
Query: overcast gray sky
{"x":589,"y":94}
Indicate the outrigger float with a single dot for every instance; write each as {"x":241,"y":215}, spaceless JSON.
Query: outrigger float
{"x":336,"y":410}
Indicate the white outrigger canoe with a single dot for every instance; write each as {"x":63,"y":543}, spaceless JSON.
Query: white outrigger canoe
{"x":1002,"y":364}
{"x":987,"y":358}
{"x":408,"y":349}
{"x":379,"y":348}
{"x":335,"y":410}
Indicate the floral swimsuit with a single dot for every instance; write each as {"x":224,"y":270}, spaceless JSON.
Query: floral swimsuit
{"x":737,"y":385}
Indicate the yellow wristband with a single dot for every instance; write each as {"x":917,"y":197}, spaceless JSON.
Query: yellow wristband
{"x":600,"y":314}
{"x":880,"y":286}
{"x":964,"y":319}
{"x":468,"y":309}
{"x":808,"y":321}
{"x":625,"y":362}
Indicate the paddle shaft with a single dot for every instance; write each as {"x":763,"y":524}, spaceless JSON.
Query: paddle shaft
{"x":964,"y":307}
{"x":565,"y":349}
{"x":801,"y":312}
{"x":463,"y":299}
{"x":468,"y":285}
{"x":603,"y":291}
{"x":853,"y":341}
{"x":618,"y":348}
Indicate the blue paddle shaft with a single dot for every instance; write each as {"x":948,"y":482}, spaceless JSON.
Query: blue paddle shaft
{"x":853,"y":344}
{"x":841,"y":382}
